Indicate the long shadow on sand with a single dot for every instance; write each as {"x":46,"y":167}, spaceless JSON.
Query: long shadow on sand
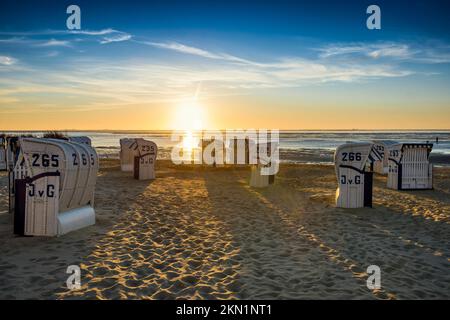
{"x":168,"y":246}
{"x":35,"y":267}
{"x":277,"y":262}
{"x":372,"y":236}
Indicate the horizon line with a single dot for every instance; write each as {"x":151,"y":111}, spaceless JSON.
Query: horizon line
{"x":168,"y":130}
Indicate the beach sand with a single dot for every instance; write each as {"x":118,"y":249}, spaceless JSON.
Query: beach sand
{"x":203,"y":233}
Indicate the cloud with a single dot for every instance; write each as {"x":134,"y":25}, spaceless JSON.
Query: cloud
{"x":7,"y":61}
{"x":55,"y":32}
{"x":54,"y":43}
{"x":175,"y":46}
{"x":336,"y":50}
{"x":406,"y":52}
{"x":63,"y":38}
{"x":36,"y":42}
{"x":345,"y":53}
{"x":117,"y":38}
{"x":396,"y":51}
{"x":93,"y":32}
{"x":52,"y":54}
{"x":108,"y":35}
{"x":101,"y":84}
{"x":182,"y":48}
{"x":370,"y":50}
{"x":13,"y":40}
{"x":97,"y":83}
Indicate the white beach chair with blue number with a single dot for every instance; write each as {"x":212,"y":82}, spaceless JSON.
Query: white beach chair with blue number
{"x":352,"y":165}
{"x":54,"y":184}
{"x":410,"y":167}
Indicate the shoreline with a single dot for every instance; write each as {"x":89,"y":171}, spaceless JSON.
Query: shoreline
{"x":289,"y":156}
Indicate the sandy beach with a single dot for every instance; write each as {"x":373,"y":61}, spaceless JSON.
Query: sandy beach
{"x":203,"y":233}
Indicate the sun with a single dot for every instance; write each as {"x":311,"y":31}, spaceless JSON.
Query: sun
{"x":189,"y":116}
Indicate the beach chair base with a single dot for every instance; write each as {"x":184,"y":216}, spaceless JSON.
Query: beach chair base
{"x":258,"y":180}
{"x":75,"y":219}
{"x":127,"y":167}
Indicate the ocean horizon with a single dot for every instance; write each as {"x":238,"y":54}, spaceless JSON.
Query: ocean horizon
{"x":296,"y":146}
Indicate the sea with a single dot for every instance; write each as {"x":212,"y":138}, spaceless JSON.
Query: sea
{"x":296,"y":146}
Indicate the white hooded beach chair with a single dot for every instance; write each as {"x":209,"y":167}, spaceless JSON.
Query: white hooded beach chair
{"x":3,"y":149}
{"x":54,"y":184}
{"x":144,"y":162}
{"x":81,"y":139}
{"x":263,"y":170}
{"x":410,"y":167}
{"x":352,"y":165}
{"x":381,"y":147}
{"x":138,"y":156}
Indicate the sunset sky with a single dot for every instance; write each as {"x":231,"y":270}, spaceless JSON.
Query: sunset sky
{"x":171,"y":64}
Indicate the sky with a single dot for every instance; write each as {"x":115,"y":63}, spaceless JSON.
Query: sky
{"x":224,"y":65}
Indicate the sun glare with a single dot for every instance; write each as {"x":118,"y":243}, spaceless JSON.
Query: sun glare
{"x":189,"y":141}
{"x":189,"y":116}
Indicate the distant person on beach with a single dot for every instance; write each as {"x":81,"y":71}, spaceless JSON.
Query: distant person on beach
{"x":437,"y":140}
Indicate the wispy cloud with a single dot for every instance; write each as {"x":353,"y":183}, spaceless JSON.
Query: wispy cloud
{"x":401,"y":51}
{"x":13,"y":40}
{"x":55,"y":32}
{"x":107,"y":35}
{"x":35,"y":42}
{"x":102,"y":85}
{"x":182,"y":48}
{"x":175,"y":46}
{"x":7,"y":61}
{"x":419,"y":53}
{"x":54,"y":43}
{"x":93,"y":32}
{"x":95,"y":83}
{"x":117,"y":38}
{"x":296,"y":70}
{"x":63,"y":37}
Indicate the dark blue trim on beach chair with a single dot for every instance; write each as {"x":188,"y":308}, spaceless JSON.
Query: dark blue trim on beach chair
{"x":134,"y":143}
{"x":20,"y":186}
{"x":368,"y":189}
{"x":395,"y":161}
{"x":146,"y":154}
{"x":42,"y":175}
{"x":399,"y":172}
{"x":353,"y":168}
{"x":377,"y":154}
